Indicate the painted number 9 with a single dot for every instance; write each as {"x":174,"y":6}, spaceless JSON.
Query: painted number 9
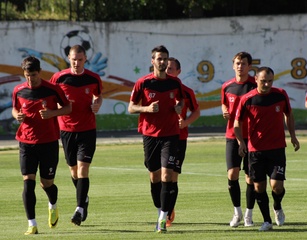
{"x":206,"y":69}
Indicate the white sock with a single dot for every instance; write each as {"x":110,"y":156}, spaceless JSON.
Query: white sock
{"x":159,"y":210}
{"x":249,"y":212}
{"x":80,"y":210}
{"x":238,"y":211}
{"x":52,"y":206}
{"x":32,"y":222}
{"x":163,"y":215}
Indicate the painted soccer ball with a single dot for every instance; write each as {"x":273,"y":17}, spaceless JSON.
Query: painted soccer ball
{"x":77,"y":37}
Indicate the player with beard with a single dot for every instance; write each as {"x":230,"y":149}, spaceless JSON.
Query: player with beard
{"x":159,"y":99}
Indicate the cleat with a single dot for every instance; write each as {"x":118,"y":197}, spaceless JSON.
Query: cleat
{"x":279,"y":217}
{"x":248,"y":222}
{"x":161,"y":226}
{"x":53,"y":217}
{"x":266,"y":226}
{"x":170,"y":219}
{"x":85,"y":210}
{"x":235,"y":222}
{"x":76,"y":218}
{"x":31,"y":230}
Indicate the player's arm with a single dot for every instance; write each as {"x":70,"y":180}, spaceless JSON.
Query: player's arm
{"x":137,"y":108}
{"x":289,"y":119}
{"x":97,"y":102}
{"x":238,"y":132}
{"x":226,"y":114}
{"x":194,"y":115}
{"x":18,"y":115}
{"x":47,"y":113}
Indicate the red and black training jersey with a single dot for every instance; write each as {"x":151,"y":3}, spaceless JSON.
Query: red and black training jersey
{"x":231,"y":93}
{"x":79,"y":90}
{"x":190,"y":103}
{"x":34,"y":129}
{"x":149,"y":89}
{"x":265,"y":115}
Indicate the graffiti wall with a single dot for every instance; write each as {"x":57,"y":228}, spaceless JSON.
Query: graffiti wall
{"x":120,"y":53}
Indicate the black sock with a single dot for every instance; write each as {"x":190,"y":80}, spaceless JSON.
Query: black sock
{"x":29,"y":198}
{"x":52,"y":193}
{"x":155,"y":189}
{"x":263,"y":203}
{"x":235,"y":192}
{"x":82,"y":191}
{"x":165,"y":196}
{"x":74,"y":181}
{"x":278,"y":199}
{"x":250,"y":196}
{"x":173,"y":198}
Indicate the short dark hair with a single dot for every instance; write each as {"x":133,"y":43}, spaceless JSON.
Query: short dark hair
{"x":77,"y":49}
{"x":31,"y":64}
{"x":267,"y":70}
{"x":177,"y":63}
{"x":242,"y":55}
{"x":160,"y":49}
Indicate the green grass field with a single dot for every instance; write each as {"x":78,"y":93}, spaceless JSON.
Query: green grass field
{"x":121,"y":206}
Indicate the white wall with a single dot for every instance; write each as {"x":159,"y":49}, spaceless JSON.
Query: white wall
{"x":276,"y":41}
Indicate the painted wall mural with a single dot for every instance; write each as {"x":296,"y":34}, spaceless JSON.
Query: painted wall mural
{"x":120,"y":53}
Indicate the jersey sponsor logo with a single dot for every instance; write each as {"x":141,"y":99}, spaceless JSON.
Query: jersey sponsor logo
{"x":277,"y":109}
{"x":151,"y":95}
{"x":171,"y":95}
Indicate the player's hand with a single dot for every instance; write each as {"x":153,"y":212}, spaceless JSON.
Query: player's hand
{"x":226,"y":115}
{"x":95,"y":107}
{"x":46,"y":113}
{"x":97,"y":65}
{"x":181,"y":122}
{"x":242,"y":149}
{"x":295,"y":143}
{"x":153,"y":107}
{"x":178,"y":108}
{"x":20,"y":116}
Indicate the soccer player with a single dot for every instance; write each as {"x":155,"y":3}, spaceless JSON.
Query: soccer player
{"x":191,"y":104}
{"x":35,"y":108}
{"x":231,"y":92}
{"x":267,"y":109}
{"x":83,"y":88}
{"x":158,"y":98}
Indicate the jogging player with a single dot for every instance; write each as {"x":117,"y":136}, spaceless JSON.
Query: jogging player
{"x":158,"y":98}
{"x":35,"y":107}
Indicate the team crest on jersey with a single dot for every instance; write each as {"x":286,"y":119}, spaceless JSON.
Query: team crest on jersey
{"x":24,"y":105}
{"x":231,"y":99}
{"x":87,"y":91}
{"x":171,"y":95}
{"x":277,"y":109}
{"x":151,"y":95}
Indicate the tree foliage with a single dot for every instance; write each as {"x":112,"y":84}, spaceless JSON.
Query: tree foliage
{"x":124,"y":10}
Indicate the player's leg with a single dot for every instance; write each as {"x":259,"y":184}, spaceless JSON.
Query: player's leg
{"x":277,"y":177}
{"x":250,"y":194}
{"x":86,"y":148}
{"x":258,"y":175}
{"x":182,"y":146}
{"x":49,"y":154}
{"x":28,"y":167}
{"x":233,"y":161}
{"x":168,"y":154}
